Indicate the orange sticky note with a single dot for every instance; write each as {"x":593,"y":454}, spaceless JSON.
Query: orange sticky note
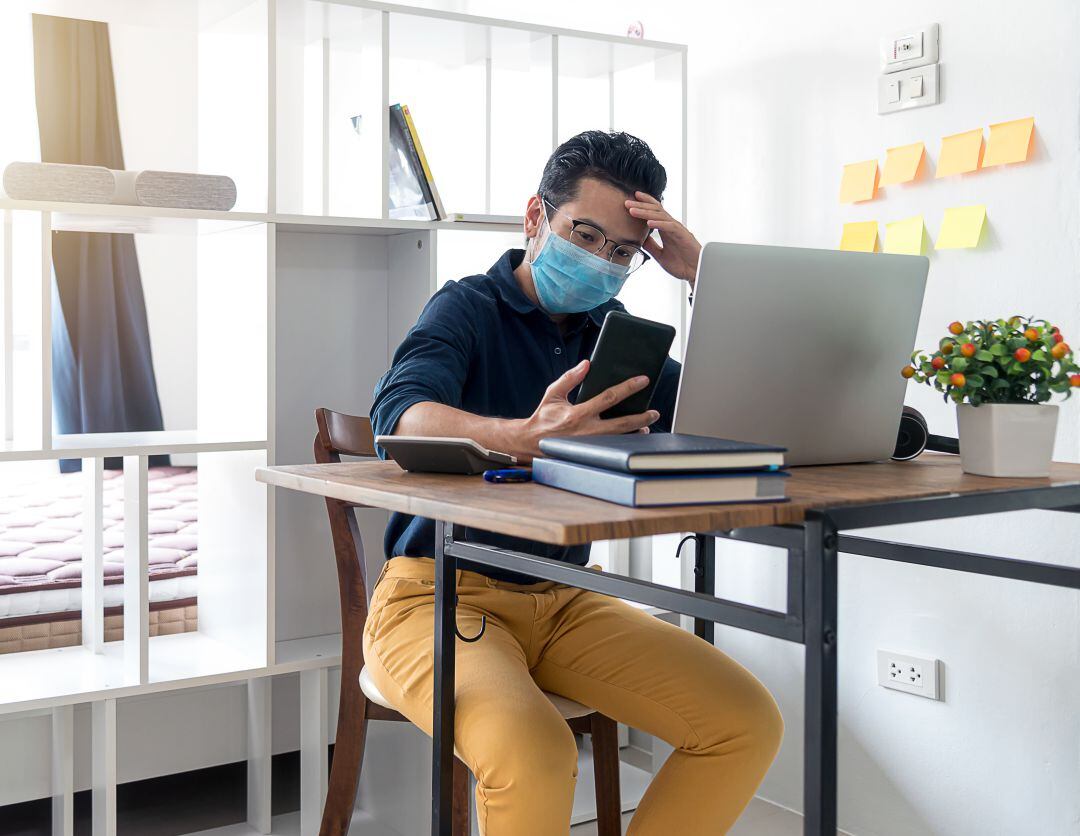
{"x":902,"y":163}
{"x":859,"y":182}
{"x":906,"y":237}
{"x":960,"y":153}
{"x":860,"y":237}
{"x":1009,"y":142}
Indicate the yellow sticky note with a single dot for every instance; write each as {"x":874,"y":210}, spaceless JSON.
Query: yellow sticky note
{"x":859,"y":182}
{"x":906,"y":237}
{"x":860,"y":237}
{"x":1009,"y":142}
{"x":961,"y":227}
{"x":960,"y":153}
{"x":902,"y":163}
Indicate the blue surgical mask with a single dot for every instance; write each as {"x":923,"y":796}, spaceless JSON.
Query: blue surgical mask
{"x":569,"y":279}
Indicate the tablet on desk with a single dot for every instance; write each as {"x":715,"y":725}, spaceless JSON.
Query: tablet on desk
{"x":433,"y":454}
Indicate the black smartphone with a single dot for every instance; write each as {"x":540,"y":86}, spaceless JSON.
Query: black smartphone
{"x":627,"y":346}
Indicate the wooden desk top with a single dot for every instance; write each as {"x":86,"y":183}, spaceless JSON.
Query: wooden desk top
{"x":554,"y":516}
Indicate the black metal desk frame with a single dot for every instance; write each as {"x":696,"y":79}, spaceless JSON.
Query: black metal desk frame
{"x":810,"y":616}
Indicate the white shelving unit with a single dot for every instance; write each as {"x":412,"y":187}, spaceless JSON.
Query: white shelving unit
{"x":300,"y":296}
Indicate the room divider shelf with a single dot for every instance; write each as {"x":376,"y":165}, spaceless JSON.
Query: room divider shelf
{"x":295,"y":299}
{"x":44,"y":679}
{"x":141,"y":220}
{"x":89,"y":445}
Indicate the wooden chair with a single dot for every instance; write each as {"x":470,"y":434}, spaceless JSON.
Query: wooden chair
{"x":360,"y":700}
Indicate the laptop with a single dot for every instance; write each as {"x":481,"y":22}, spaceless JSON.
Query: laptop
{"x":801,"y":348}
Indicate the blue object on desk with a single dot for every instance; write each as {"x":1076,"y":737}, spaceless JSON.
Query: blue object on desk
{"x":509,"y":474}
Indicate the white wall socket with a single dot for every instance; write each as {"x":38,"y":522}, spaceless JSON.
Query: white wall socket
{"x":911,"y":674}
{"x":915,"y":47}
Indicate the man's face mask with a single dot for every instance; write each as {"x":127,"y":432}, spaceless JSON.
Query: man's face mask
{"x":569,"y":279}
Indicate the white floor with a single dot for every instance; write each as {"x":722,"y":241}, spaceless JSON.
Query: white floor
{"x":760,"y":819}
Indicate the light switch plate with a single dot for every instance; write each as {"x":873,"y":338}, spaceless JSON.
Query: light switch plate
{"x":887,"y":87}
{"x":916,"y":47}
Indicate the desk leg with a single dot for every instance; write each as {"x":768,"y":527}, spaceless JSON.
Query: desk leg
{"x":819,"y":758}
{"x":704,"y":579}
{"x":442,"y":763}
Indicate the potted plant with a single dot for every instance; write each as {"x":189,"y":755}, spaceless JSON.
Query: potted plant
{"x":1001,"y":373}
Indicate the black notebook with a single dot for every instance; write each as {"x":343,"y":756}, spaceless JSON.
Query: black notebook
{"x":663,"y":452}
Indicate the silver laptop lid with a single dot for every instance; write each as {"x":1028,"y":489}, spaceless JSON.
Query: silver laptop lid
{"x":801,"y":348}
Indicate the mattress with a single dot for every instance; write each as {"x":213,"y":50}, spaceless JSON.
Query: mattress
{"x":41,"y":556}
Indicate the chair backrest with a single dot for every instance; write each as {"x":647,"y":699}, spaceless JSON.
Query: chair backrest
{"x":350,"y":435}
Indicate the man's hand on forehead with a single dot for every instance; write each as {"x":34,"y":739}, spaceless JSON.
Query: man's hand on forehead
{"x":678,"y":250}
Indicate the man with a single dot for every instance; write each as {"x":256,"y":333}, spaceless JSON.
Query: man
{"x":497,"y":357}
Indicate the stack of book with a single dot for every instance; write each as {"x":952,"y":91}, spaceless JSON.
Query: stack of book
{"x":642,"y":469}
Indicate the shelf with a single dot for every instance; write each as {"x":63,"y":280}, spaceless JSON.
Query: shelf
{"x":308,"y":653}
{"x":40,"y":679}
{"x":65,"y":675}
{"x":108,"y":217}
{"x":105,"y":217}
{"x":382,"y":226}
{"x":86,"y":445}
{"x":499,"y":23}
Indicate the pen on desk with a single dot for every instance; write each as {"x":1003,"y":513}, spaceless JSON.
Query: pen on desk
{"x":509,"y":474}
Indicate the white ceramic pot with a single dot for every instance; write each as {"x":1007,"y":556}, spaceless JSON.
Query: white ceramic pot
{"x":1007,"y":439}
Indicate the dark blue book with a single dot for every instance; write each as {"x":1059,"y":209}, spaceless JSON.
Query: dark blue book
{"x":661,"y":489}
{"x":660,"y":452}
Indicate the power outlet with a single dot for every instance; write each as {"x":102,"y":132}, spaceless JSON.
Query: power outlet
{"x":911,"y":674}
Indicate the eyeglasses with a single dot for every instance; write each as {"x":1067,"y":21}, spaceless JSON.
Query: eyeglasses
{"x":592,"y":239}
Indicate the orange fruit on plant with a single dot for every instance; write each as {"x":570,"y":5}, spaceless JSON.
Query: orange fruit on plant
{"x":1031,"y":334}
{"x":956,"y":328}
{"x":968,"y":349}
{"x":907,"y":372}
{"x":1058,"y":336}
{"x":948,"y":348}
{"x":938,"y":362}
{"x":957,"y":380}
{"x":1074,"y":380}
{"x":1059,"y":350}
{"x":1022,"y":355}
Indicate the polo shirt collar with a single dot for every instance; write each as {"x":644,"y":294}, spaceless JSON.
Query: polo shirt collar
{"x":512,"y":294}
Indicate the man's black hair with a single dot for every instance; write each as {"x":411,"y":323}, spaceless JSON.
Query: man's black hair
{"x":618,"y":158}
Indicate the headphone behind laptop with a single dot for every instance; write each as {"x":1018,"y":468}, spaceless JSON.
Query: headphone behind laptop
{"x":915,"y":436}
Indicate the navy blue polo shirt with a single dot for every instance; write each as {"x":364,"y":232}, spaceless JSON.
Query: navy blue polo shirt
{"x":483,"y":346}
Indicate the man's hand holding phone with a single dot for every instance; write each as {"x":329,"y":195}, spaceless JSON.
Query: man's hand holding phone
{"x":556,"y":416}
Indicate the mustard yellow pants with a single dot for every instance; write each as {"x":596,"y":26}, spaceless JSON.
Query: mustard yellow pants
{"x":633,"y":667}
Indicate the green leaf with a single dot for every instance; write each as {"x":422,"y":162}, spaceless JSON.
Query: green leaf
{"x":999,"y":384}
{"x":1039,"y":356}
{"x":989,"y":371}
{"x":942,"y":376}
{"x":998,"y":350}
{"x":984,"y":355}
{"x":975,"y":381}
{"x":959,"y":364}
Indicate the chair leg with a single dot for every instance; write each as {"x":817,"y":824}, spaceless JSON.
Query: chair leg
{"x":348,"y":758}
{"x":605,"y":747}
{"x":462,"y":821}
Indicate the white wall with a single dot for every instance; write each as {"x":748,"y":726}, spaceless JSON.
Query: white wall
{"x":782,"y":94}
{"x":775,"y":114}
